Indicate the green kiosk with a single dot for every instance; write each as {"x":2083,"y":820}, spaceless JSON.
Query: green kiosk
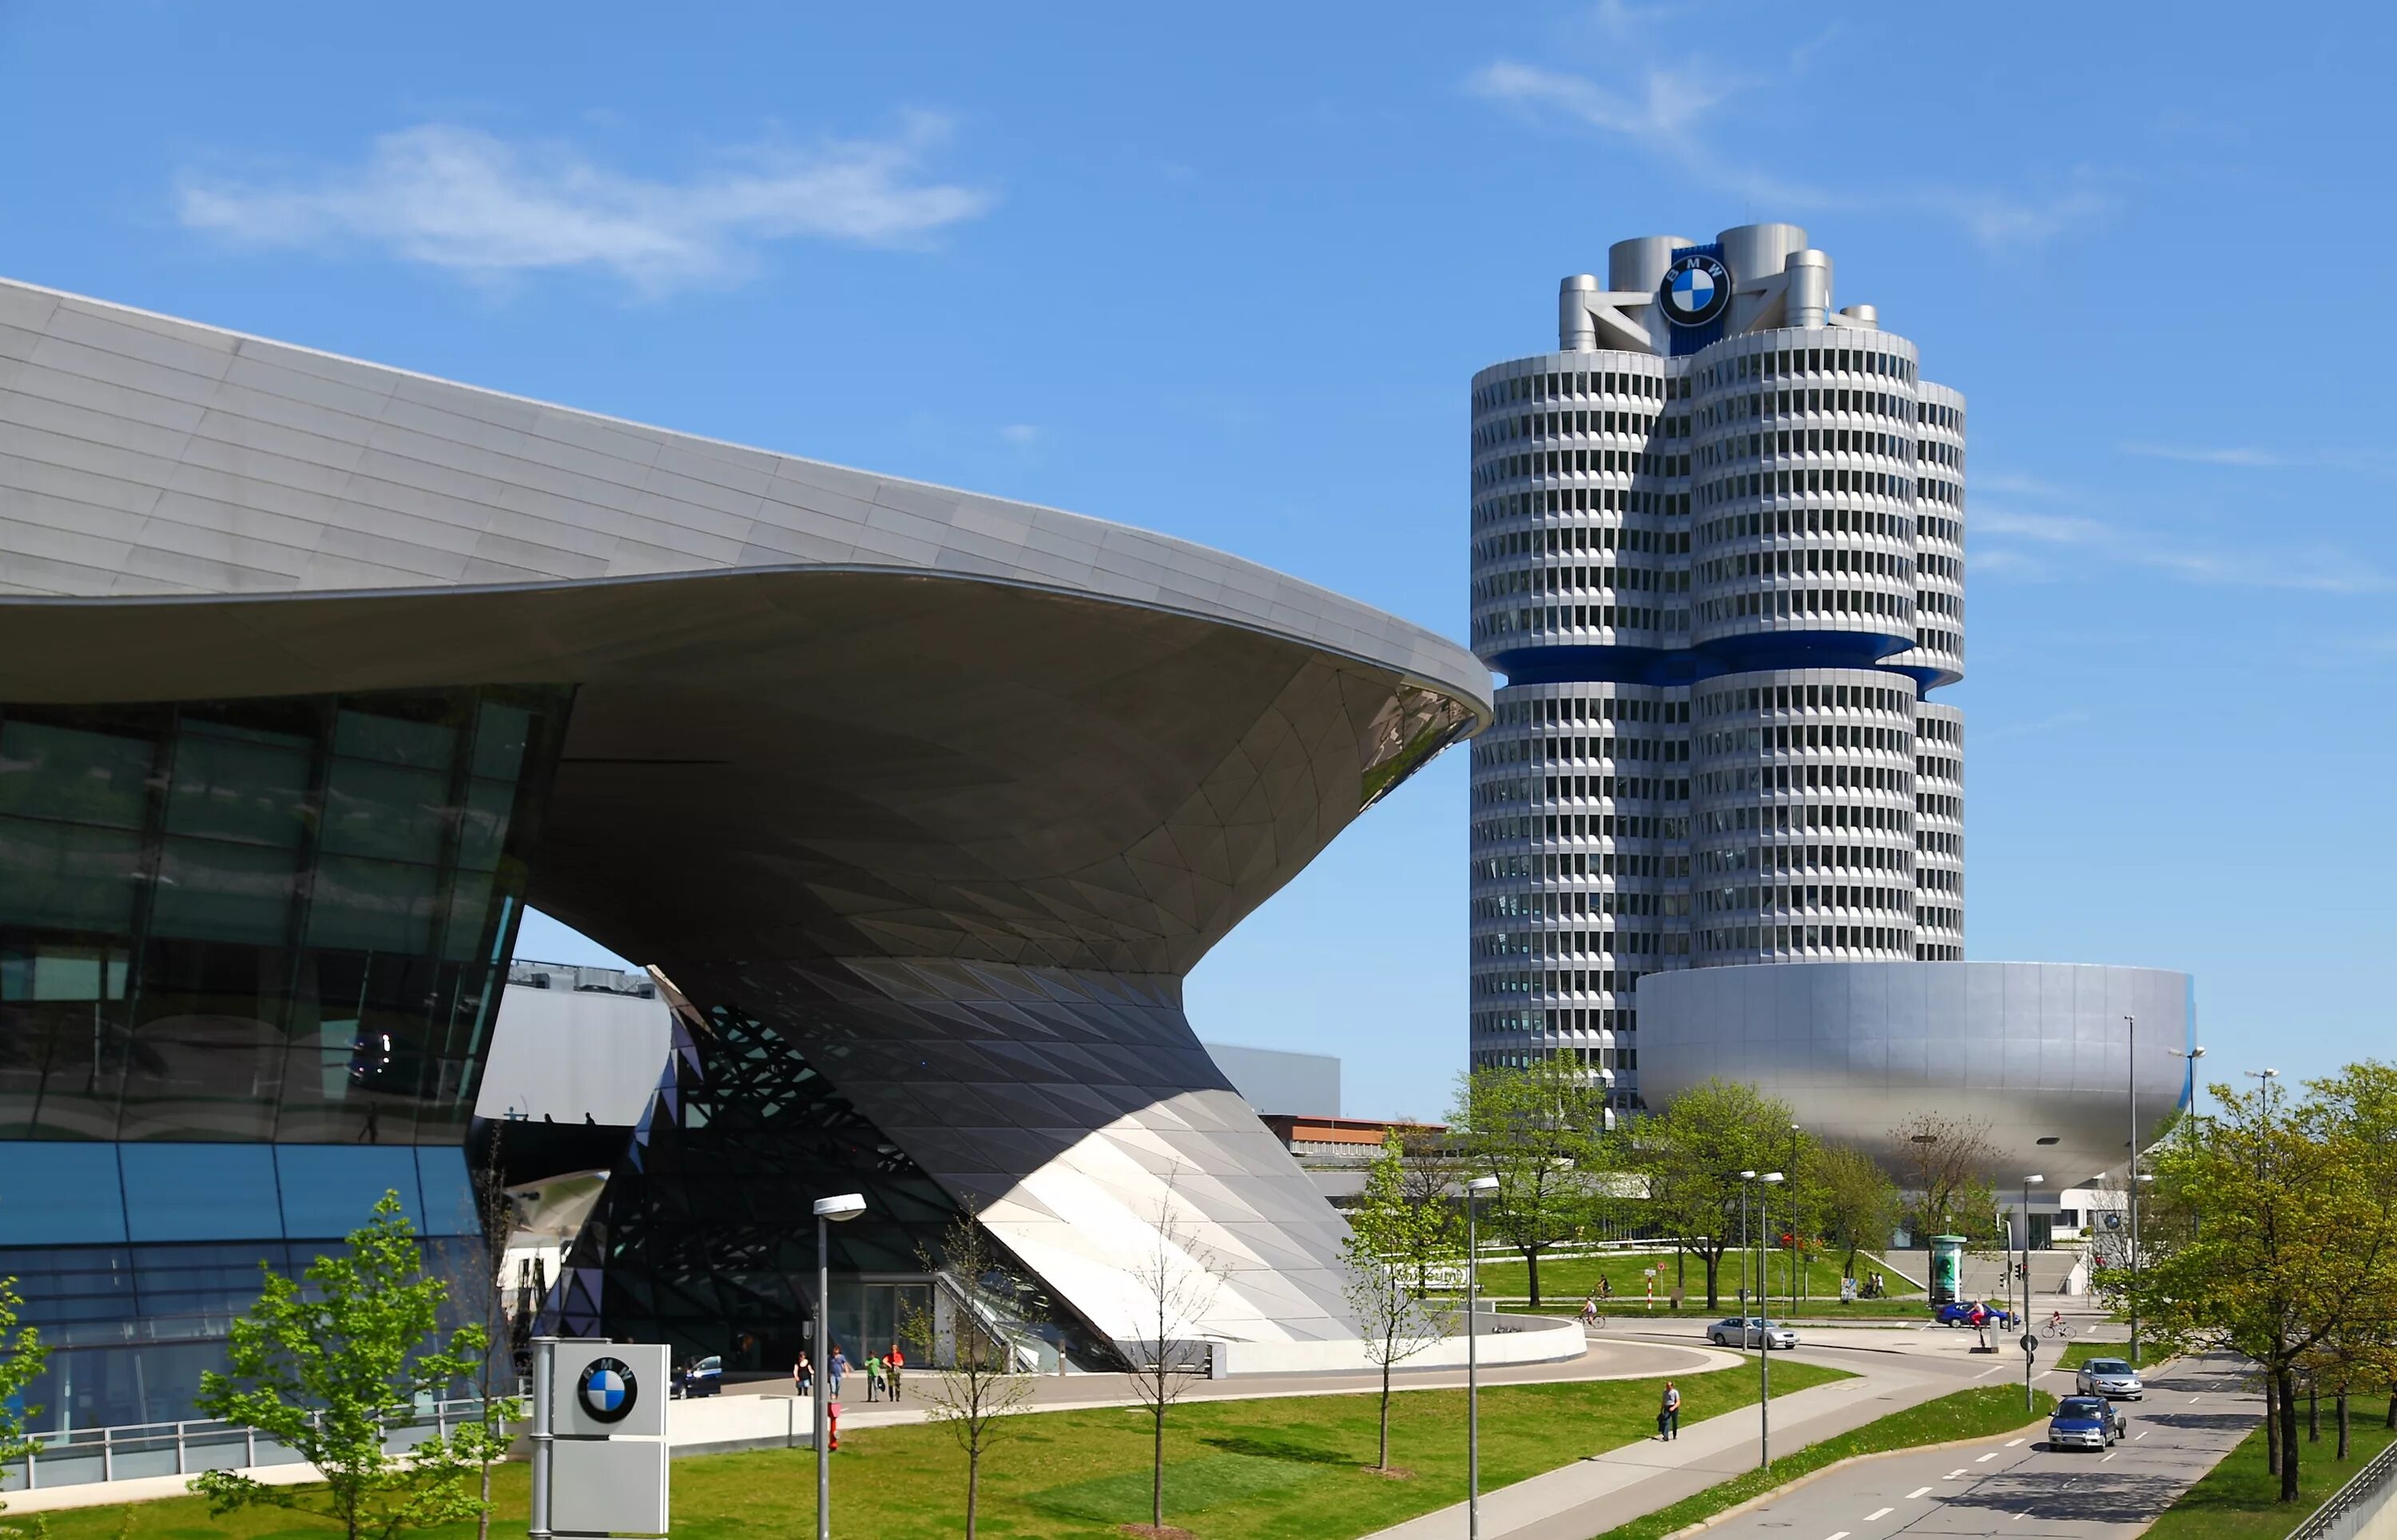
{"x":1946,"y":1268}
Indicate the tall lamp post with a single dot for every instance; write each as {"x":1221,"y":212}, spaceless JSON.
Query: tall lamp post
{"x":1763,"y":1322}
{"x":1473,"y":1191}
{"x":2188,"y":1094}
{"x":2028,"y":1183}
{"x":829,"y":1212}
{"x":2263,"y":1076}
{"x":2132,"y":1182}
{"x":1797,"y":1252}
{"x":1745,"y":1178}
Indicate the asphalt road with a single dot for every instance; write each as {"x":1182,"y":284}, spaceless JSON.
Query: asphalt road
{"x":2015,"y":1487}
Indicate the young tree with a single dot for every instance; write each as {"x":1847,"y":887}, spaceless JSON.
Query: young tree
{"x":322,"y":1370}
{"x":1858,"y":1202}
{"x":1178,"y":1279}
{"x":2281,"y":1238}
{"x":1944,"y":1165}
{"x":1392,"y":1239}
{"x":1541,"y":1130}
{"x":1428,"y":1173}
{"x":1693,"y":1153}
{"x":980,"y":1385}
{"x":480,"y":1295}
{"x":21,"y":1356}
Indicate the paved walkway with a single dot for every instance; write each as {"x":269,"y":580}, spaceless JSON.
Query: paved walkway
{"x":1592,"y":1496}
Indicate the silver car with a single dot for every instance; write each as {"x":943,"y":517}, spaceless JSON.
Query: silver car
{"x":1750,"y":1332}
{"x":2111,"y":1378}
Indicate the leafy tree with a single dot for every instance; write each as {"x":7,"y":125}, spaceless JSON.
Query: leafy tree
{"x":1179,"y":1278}
{"x":1428,"y":1172}
{"x":2279,"y":1238}
{"x":1693,"y":1153}
{"x":1393,"y":1239}
{"x":21,"y":1356}
{"x":977,"y":1389}
{"x":1857,"y":1202}
{"x":1541,"y":1130}
{"x":1944,"y":1165}
{"x":325,"y":1369}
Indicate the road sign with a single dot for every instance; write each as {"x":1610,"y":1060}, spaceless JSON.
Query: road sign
{"x":2030,"y":1345}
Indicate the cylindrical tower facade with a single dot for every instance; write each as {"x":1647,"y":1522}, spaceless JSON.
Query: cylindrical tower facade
{"x":1718,"y":574}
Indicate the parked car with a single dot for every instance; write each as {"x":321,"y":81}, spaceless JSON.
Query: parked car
{"x":700,"y":1377}
{"x":2085,"y":1422}
{"x":1750,"y":1332}
{"x":1972,"y":1312}
{"x":2111,"y":1378}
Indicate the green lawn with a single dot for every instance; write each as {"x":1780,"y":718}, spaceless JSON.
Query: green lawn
{"x":1617,"y":1311}
{"x":1984,"y":1412}
{"x":1292,"y":1468}
{"x":2237,"y":1499}
{"x":1565,"y":1280}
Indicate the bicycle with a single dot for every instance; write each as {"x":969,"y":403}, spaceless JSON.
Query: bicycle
{"x":2060,"y":1329}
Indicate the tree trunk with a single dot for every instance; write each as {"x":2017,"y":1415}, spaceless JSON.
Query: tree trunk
{"x":1157,"y":1471}
{"x":2314,"y":1411}
{"x":1532,"y":1266}
{"x":974,"y":1483}
{"x":483,"y":1518}
{"x":2345,"y":1438}
{"x":2288,"y":1390}
{"x":2392,"y":1421}
{"x":2271,"y":1425}
{"x":1384,"y":1457}
{"x":1714,"y":1265}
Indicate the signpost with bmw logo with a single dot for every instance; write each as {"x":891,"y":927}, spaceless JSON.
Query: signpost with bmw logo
{"x":599,"y":1438}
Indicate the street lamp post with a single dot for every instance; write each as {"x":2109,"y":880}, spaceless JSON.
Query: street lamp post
{"x":1745,"y":1179}
{"x":1473,"y":1191}
{"x":1796,"y":1270}
{"x":1763,"y":1324}
{"x":829,"y":1212}
{"x":2028,"y":1183}
{"x":2188,"y":1094}
{"x":2132,"y":1182}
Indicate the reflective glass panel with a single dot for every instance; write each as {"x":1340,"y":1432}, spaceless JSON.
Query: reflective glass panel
{"x":200,"y":1192}
{"x":61,"y":1194}
{"x":330,"y":1191}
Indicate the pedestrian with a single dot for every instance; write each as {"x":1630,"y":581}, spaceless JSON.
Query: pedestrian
{"x":895,"y":1360}
{"x":874,"y":1372}
{"x":802,"y":1375}
{"x":835,"y":1369}
{"x":1668,"y":1413}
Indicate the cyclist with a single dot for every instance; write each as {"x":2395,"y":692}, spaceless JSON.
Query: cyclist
{"x":1589,"y":1310}
{"x":2055,"y":1321}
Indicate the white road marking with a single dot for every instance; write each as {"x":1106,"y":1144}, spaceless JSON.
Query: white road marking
{"x":1876,"y":1513}
{"x":2195,"y":1398}
{"x":2010,"y":1442}
{"x":1987,"y":1458}
{"x":2137,"y":1437}
{"x":2023,"y":1515}
{"x":1990,"y":1370}
{"x":1838,"y":1534}
{"x":1916,"y":1493}
{"x":2110,"y":1455}
{"x":1954,"y":1474}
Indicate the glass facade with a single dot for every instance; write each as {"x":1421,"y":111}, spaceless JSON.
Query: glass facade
{"x":250,"y":952}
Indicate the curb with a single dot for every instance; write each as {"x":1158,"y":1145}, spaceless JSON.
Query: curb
{"x":1788,"y":1487}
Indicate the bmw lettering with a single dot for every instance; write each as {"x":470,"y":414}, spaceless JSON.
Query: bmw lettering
{"x":607,"y":1389}
{"x":1697,"y":289}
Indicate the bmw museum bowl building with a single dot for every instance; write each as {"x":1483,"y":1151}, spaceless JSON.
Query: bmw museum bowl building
{"x":314,"y":673}
{"x":1717,"y":556}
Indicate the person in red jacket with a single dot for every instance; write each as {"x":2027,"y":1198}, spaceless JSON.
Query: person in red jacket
{"x":896,"y":1361}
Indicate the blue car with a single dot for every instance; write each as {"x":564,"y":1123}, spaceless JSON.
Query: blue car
{"x":1972,"y":1312}
{"x":2085,"y":1422}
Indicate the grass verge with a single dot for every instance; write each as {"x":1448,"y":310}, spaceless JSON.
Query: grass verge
{"x":1983,"y":1412}
{"x":1281,"y":1469}
{"x":2239,"y":1499}
{"x":1563,"y":1279}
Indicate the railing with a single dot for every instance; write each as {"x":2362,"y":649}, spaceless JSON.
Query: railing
{"x":77,"y":1456}
{"x":2355,"y":1505}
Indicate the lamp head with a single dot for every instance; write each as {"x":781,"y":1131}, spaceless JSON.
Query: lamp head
{"x":1747,"y":1176}
{"x":2033,"y":1181}
{"x":1483,"y":1184}
{"x":1770,"y":1176}
{"x":849,"y":1205}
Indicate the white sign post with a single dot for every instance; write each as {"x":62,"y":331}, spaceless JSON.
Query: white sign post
{"x":598,"y":1439}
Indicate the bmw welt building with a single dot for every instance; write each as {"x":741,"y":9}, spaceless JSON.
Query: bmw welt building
{"x":314,"y":673}
{"x":1718,"y":829}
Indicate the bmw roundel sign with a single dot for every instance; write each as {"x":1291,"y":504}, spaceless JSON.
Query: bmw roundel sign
{"x":607,"y":1389}
{"x":1696,"y":290}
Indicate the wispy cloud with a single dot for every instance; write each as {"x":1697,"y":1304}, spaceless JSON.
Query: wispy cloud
{"x":1664,"y":105}
{"x":467,"y":201}
{"x":2038,"y":547}
{"x":2259,"y":458}
{"x":2024,"y":729}
{"x":1022,"y":434}
{"x":2046,"y":528}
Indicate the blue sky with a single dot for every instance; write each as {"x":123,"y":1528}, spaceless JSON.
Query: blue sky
{"x":1225,"y":273}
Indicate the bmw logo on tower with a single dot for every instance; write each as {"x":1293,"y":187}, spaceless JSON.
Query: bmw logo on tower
{"x":1697,"y":289}
{"x":607,"y":1389}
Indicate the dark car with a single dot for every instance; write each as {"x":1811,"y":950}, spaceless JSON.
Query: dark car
{"x":700,"y":1377}
{"x":1972,"y":1312}
{"x":2085,"y":1422}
